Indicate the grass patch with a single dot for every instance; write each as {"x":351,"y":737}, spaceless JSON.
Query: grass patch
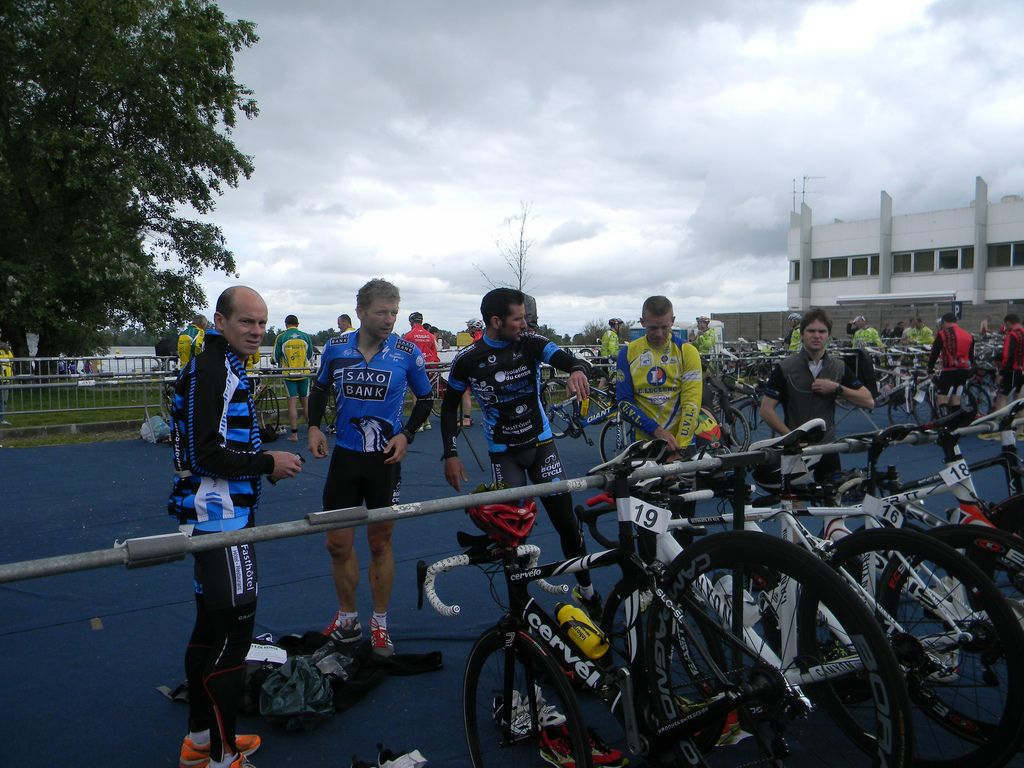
{"x":34,"y":441}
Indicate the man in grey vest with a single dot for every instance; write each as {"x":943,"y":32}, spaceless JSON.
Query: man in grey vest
{"x":807,"y":384}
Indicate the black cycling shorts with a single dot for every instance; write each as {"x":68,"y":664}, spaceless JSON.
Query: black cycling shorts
{"x":226,"y":578}
{"x":951,"y":382}
{"x":356,"y":478}
{"x":539,"y":463}
{"x":1012,"y":381}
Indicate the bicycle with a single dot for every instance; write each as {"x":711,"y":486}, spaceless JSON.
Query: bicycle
{"x":914,"y":400}
{"x":566,"y":415}
{"x":699,"y":659}
{"x":950,"y":627}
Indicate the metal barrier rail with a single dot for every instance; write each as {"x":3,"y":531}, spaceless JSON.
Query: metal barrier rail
{"x":132,"y":383}
{"x":166,"y":548}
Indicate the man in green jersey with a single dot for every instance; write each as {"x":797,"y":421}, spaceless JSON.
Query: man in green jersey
{"x":293,"y":353}
{"x":919,"y":333}
{"x":865,"y":335}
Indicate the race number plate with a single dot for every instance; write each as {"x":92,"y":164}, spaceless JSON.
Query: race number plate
{"x":648,"y":516}
{"x":954,"y":473}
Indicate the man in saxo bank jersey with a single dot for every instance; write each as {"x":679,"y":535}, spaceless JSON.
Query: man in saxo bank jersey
{"x":370,"y":370}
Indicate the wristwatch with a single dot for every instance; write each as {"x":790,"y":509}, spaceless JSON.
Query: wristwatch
{"x":839,"y":389}
{"x":409,"y":436}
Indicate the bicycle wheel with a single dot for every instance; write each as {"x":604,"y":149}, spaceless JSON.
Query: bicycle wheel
{"x":518,"y":702}
{"x":808,"y":646}
{"x":268,"y":409}
{"x":977,"y":398}
{"x":903,"y":408}
{"x":735,"y":431}
{"x":559,"y":412}
{"x":998,"y":553}
{"x":956,"y":638}
{"x":616,"y":434}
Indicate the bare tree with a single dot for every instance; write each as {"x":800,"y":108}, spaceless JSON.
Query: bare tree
{"x":514,"y":248}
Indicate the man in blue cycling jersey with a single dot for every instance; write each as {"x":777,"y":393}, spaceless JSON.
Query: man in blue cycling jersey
{"x":218,"y":463}
{"x":503,"y":369}
{"x":370,"y":370}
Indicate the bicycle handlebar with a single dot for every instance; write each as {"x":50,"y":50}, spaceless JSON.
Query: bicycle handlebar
{"x":530,"y":551}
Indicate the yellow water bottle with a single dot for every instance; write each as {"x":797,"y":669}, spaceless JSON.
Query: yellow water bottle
{"x":584,"y":407}
{"x":581,"y":630}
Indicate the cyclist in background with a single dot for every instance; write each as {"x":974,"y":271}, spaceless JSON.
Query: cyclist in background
{"x":421,"y":336}
{"x":293,"y":353}
{"x":956,"y":348}
{"x":190,"y":340}
{"x":704,"y":340}
{"x":919,"y":333}
{"x":476,"y":331}
{"x":609,"y":350}
{"x":794,"y":331}
{"x":1011,"y":364}
{"x":658,"y":382}
{"x":864,"y":334}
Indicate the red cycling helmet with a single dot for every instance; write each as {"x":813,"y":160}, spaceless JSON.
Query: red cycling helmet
{"x":507,"y":524}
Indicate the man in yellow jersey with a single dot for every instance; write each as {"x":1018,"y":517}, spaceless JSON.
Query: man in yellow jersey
{"x":190,"y":340}
{"x":658,"y":379}
{"x":293,"y":353}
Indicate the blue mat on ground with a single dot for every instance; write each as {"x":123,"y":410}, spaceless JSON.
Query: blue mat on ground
{"x":85,"y":652}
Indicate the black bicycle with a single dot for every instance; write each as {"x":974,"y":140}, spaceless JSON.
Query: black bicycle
{"x":708,"y":651}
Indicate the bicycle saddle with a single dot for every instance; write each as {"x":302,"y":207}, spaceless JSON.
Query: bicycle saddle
{"x":808,"y":432}
{"x":633,"y":456}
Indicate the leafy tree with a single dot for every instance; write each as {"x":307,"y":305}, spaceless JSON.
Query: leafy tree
{"x":591,"y":333}
{"x":115,"y":123}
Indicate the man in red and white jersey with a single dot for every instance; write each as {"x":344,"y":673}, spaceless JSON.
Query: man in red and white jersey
{"x":956,"y":348}
{"x":424,"y":339}
{"x":1011,"y":366}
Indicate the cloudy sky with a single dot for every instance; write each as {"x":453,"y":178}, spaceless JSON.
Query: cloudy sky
{"x":656,"y":143}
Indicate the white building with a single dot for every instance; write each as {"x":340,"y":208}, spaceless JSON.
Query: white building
{"x":974,"y":255}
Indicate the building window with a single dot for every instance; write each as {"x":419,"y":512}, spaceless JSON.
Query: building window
{"x":819,"y":269}
{"x":839,"y":267}
{"x":967,"y":257}
{"x":949,"y":259}
{"x":859,"y":266}
{"x":874,"y":265}
{"x":901,"y":262}
{"x":794,"y":271}
{"x":999,"y":255}
{"x":1018,"y":254}
{"x":924,"y":261}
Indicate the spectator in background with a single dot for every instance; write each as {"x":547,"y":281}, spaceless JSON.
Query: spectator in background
{"x":439,"y":341}
{"x":344,"y":323}
{"x":983,"y":330}
{"x":6,"y":374}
